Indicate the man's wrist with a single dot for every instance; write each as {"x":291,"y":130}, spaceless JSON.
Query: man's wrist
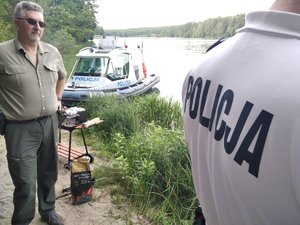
{"x":59,"y":98}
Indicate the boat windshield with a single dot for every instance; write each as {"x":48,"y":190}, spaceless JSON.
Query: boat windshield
{"x":119,"y":68}
{"x":91,"y":66}
{"x":115,"y":68}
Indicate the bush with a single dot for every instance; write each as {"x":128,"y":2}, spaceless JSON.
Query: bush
{"x":151,"y":163}
{"x":156,"y":166}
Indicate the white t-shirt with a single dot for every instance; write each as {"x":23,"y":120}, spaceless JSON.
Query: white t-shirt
{"x":242,"y":121}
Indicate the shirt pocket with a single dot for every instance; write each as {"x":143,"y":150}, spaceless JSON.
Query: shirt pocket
{"x":13,"y":76}
{"x":50,"y":74}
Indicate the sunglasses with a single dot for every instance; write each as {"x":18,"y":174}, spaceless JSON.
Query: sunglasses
{"x":33,"y":22}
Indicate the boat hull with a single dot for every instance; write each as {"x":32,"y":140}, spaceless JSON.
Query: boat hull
{"x":73,"y":95}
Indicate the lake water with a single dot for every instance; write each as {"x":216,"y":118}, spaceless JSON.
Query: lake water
{"x":171,"y":59}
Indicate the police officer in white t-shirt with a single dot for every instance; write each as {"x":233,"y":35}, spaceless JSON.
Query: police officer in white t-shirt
{"x":241,"y":109}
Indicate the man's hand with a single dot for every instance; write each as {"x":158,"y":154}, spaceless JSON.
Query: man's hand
{"x":59,"y":105}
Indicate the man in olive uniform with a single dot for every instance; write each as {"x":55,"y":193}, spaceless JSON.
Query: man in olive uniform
{"x":32,"y":79}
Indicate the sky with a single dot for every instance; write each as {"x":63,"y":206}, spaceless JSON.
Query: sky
{"x":123,"y":14}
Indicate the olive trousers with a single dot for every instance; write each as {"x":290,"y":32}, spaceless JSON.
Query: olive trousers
{"x":32,"y":159}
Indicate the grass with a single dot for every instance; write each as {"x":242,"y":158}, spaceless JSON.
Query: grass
{"x":149,"y":165}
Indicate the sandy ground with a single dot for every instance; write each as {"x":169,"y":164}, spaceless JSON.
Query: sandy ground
{"x":101,"y":211}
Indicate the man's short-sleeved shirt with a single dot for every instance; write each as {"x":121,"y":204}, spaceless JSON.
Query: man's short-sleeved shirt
{"x":28,"y":91}
{"x":242,"y":122}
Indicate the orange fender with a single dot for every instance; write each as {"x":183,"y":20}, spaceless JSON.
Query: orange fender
{"x":144,"y":70}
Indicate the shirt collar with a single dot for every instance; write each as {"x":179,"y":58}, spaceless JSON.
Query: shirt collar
{"x":273,"y":22}
{"x":42,"y":48}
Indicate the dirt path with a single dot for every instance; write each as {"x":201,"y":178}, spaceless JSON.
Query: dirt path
{"x":101,"y":211}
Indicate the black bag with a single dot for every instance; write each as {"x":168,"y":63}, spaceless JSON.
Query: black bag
{"x":2,"y":123}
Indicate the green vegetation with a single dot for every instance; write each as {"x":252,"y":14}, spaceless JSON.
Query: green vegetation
{"x":150,"y":164}
{"x":211,"y":28}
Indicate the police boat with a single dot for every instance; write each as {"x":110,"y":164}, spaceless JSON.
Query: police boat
{"x":108,"y":67}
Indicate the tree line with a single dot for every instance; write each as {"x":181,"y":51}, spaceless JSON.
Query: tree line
{"x":210,"y":28}
{"x":72,"y":22}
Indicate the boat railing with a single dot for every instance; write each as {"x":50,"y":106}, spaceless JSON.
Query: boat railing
{"x":85,"y":48}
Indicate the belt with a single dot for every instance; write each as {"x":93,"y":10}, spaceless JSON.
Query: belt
{"x":31,"y":120}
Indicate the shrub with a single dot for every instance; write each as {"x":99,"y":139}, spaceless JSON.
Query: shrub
{"x":151,"y":163}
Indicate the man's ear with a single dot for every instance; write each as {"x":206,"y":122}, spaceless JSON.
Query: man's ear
{"x":17,"y":24}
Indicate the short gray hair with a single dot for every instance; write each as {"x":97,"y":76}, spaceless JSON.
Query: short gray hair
{"x":29,"y":6}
